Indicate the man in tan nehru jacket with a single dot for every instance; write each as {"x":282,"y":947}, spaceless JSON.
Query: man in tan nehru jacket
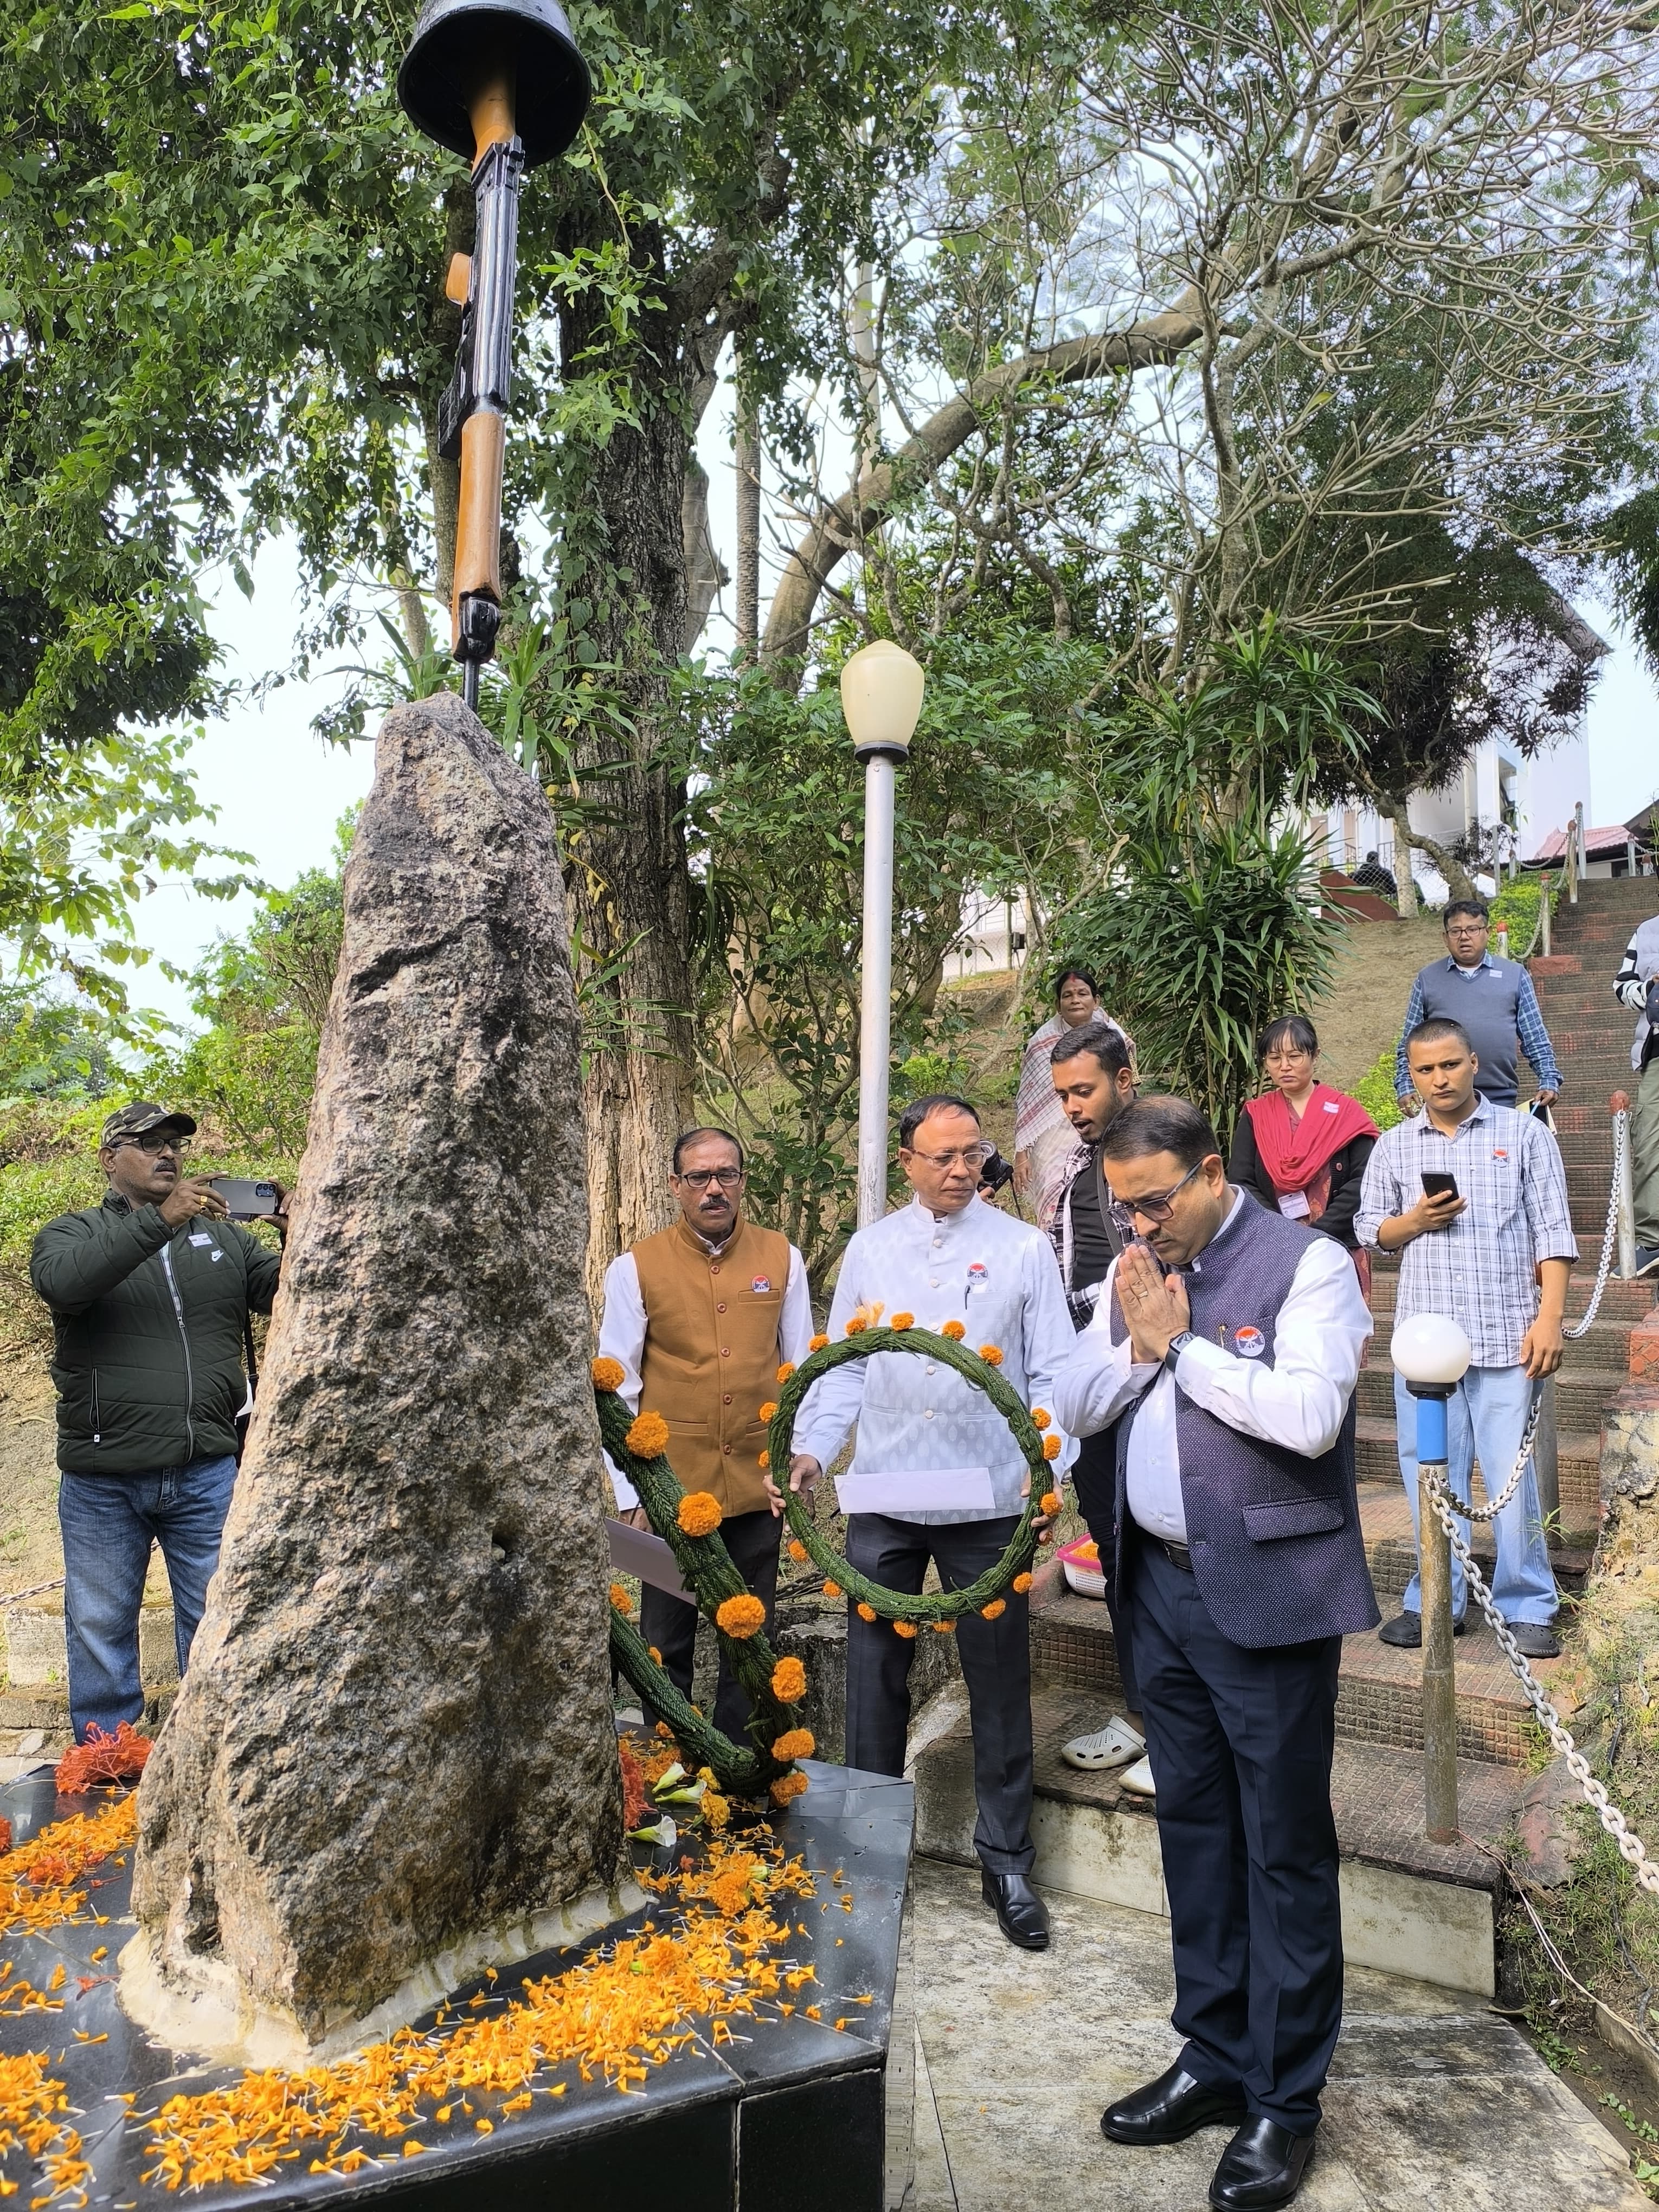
{"x":699,"y":1318}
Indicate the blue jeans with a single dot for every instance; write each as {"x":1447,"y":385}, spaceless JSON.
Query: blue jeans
{"x":1487,"y":1413}
{"x":109,"y":1523}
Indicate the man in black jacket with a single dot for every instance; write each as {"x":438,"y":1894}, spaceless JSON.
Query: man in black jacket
{"x":150,"y":1294}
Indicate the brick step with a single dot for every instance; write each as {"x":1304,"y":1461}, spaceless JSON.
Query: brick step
{"x":1623,"y":1304}
{"x":1583,"y":1050}
{"x":1580,"y":1394}
{"x":1408,"y":1906}
{"x":1578,"y":1468}
{"x":1379,"y":1698}
{"x":1391,"y":1553}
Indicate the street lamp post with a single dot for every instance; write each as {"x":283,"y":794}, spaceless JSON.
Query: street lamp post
{"x":881,"y":690}
{"x":1432,"y":1354}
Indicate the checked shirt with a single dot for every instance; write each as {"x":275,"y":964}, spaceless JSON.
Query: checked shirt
{"x":1480,"y":1271}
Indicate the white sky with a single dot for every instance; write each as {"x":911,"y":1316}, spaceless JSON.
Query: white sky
{"x":280,"y":790}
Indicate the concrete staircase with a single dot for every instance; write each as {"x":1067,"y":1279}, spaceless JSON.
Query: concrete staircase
{"x":1409,"y":1906}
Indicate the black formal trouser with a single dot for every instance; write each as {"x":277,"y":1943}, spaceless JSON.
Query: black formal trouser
{"x":1241,"y":1745}
{"x":1094,"y":1474}
{"x":669,"y":1624}
{"x":996,"y":1665}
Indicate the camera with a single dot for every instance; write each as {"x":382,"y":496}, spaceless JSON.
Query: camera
{"x":993,"y":1174}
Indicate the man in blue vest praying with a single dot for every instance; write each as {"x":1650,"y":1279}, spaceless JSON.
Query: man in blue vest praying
{"x":1224,"y":1354}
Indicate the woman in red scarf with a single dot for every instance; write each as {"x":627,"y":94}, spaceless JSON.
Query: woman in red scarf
{"x":1302,"y":1146}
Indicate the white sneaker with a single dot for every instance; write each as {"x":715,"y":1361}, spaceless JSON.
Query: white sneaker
{"x":1138,"y":1779}
{"x":1116,"y":1745}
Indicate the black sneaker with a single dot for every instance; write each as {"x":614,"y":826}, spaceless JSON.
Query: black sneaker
{"x":1647,"y":1259}
{"x":1405,"y":1632}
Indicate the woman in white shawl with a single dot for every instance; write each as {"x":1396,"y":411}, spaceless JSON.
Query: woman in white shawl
{"x":1044,"y":1138}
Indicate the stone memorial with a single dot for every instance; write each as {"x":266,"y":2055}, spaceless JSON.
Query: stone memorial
{"x":394,"y":1760}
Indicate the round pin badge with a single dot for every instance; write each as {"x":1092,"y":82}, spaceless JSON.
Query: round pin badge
{"x":1251,"y":1342}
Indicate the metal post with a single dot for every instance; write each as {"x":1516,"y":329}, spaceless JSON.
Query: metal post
{"x":1546,"y":1457}
{"x":1626,"y":1187}
{"x":1434,"y":1585}
{"x":1577,"y":851}
{"x":876,"y":1006}
{"x":1544,"y":893}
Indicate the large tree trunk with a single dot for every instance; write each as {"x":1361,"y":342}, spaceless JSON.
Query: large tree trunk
{"x":1406,"y":888}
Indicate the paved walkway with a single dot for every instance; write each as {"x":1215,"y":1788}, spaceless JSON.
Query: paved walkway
{"x":1432,"y":2099}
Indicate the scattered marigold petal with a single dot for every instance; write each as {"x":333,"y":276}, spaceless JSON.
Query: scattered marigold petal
{"x":647,"y":1436}
{"x":740,"y":1617}
{"x":1040,"y":1417}
{"x":991,"y":1354}
{"x":1022,"y":1583}
{"x":620,"y":1598}
{"x":699,"y":1513}
{"x":866,"y":1612}
{"x":100,"y":1758}
{"x":789,"y":1681}
{"x":995,"y":1610}
{"x":954,"y":1330}
{"x":832,"y":1588}
{"x":1052,"y":1446}
{"x":608,"y":1374}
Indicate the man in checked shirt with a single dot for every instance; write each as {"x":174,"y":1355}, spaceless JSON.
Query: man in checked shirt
{"x":1493,"y":1254}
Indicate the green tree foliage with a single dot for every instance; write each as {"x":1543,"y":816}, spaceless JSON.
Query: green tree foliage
{"x":51,"y":1047}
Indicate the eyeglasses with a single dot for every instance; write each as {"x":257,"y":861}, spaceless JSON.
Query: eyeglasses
{"x":700,"y":1178}
{"x":1467,"y":929}
{"x":154,"y":1142}
{"x":970,"y":1156}
{"x":1158,"y":1209}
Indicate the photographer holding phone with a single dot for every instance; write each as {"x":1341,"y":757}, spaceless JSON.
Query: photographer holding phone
{"x":1474,"y":1198}
{"x":150,"y":1294}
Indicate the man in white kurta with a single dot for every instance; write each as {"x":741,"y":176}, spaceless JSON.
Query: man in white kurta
{"x":937,"y":1448}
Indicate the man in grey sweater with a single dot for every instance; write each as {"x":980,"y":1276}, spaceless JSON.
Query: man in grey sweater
{"x":1636,"y":985}
{"x":1493,"y":1001}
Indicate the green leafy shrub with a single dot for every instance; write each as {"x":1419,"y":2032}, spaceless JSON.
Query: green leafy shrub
{"x":1375,"y":1091}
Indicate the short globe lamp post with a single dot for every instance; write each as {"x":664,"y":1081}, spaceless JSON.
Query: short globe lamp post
{"x":1432,"y":1353}
{"x":881,"y":690}
{"x":500,"y":83}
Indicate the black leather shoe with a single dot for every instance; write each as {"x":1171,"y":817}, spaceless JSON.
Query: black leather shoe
{"x":1262,"y":2166}
{"x":1171,"y":2109}
{"x":1021,"y":1913}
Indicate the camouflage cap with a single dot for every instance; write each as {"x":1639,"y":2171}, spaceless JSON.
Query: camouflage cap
{"x":140,"y":1118}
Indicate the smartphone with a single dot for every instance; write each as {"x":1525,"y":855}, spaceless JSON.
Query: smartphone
{"x":1439,"y":1186}
{"x":247,"y":1200}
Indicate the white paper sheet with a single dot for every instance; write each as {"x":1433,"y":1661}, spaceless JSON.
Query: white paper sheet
{"x":917,"y":1490}
{"x":640,"y":1551}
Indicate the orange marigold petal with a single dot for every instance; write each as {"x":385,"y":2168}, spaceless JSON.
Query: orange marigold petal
{"x":608,"y":1375}
{"x":797,"y":1549}
{"x":1022,"y":1583}
{"x":907,"y":1629}
{"x":903,"y":1321}
{"x":787,"y":1786}
{"x":991,"y":1354}
{"x":1049,"y":1502}
{"x":620,"y":1598}
{"x":995,"y":1610}
{"x":647,"y":1436}
{"x":1052,"y":1446}
{"x":832,"y":1588}
{"x":785,"y":1371}
{"x":794,"y":1743}
{"x":866,"y":1612}
{"x":945,"y":1628}
{"x":954,"y":1330}
{"x":856,"y":1324}
{"x":740,"y":1617}
{"x":816,"y":1343}
{"x":789,"y":1681}
{"x":763,"y":1459}
{"x":699,"y":1513}
{"x":1040,"y":1417}
{"x":768,"y":1409}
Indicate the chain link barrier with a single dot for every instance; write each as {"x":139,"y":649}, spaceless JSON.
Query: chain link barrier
{"x":1448,"y":1510}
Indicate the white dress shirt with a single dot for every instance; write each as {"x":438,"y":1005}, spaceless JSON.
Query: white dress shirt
{"x":996,"y":1275}
{"x":1320,"y":1334}
{"x":622,"y":1337}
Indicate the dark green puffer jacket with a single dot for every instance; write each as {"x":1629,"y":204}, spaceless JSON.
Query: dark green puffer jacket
{"x":148,"y":1322}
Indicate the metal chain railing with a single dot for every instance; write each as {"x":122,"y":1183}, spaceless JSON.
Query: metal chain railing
{"x":34,"y":1590}
{"x":1630,"y":1847}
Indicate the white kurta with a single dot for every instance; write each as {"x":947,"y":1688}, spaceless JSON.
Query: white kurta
{"x":997,"y":1276}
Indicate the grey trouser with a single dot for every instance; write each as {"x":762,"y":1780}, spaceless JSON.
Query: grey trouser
{"x":996,"y":1665}
{"x":1645,"y":1154}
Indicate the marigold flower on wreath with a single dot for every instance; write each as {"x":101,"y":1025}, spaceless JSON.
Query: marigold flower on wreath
{"x":945,"y":1628}
{"x":832,"y":1588}
{"x":789,"y":1681}
{"x":1022,"y":1583}
{"x":620,"y":1598}
{"x":785,"y":1371}
{"x":655,"y":1655}
{"x":1040,"y":1417}
{"x":907,"y":1629}
{"x":647,"y":1436}
{"x":1049,"y":1502}
{"x":903,"y":1321}
{"x":797,"y":1549}
{"x":856,"y":1324}
{"x":816,"y":1343}
{"x":1052,"y":1446}
{"x":740,"y":1616}
{"x":954,"y":1330}
{"x":794,"y":1743}
{"x":608,"y":1375}
{"x":768,"y":1409}
{"x":787,"y":1786}
{"x":995,"y":1610}
{"x":866,"y":1612}
{"x":699,"y":1513}
{"x":991,"y":1354}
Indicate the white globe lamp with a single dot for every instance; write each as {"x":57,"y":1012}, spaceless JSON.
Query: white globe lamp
{"x":1431,"y":1351}
{"x":881,"y":690}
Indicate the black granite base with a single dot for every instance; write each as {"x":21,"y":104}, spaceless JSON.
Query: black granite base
{"x":789,"y":2113}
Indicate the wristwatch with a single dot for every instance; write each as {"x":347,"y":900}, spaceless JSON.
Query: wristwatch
{"x":1177,"y":1345}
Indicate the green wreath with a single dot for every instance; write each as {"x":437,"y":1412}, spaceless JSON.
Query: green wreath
{"x":706,"y":1565}
{"x":939,"y":1608}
